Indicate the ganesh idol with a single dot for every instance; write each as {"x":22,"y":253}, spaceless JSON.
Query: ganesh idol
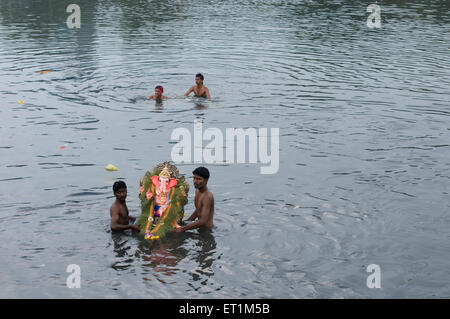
{"x":163,"y":184}
{"x":163,"y":194}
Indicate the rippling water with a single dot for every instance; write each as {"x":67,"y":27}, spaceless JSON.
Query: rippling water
{"x":364,"y":146}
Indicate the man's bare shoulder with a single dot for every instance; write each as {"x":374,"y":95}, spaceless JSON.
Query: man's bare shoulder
{"x":208,"y":196}
{"x":114,"y":208}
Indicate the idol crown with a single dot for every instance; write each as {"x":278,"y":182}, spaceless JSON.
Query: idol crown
{"x":165,"y":172}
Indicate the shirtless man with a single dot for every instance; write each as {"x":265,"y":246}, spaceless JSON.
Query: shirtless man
{"x":204,"y":202}
{"x":199,"y":89}
{"x":158,"y":94}
{"x":120,"y":220}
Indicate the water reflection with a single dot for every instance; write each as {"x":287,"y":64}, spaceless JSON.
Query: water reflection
{"x":180,"y":10}
{"x":204,"y":254}
{"x":160,"y":258}
{"x":161,"y":261}
{"x":39,"y":17}
{"x":44,"y":22}
{"x":122,"y":250}
{"x":200,"y":106}
{"x":159,"y":107}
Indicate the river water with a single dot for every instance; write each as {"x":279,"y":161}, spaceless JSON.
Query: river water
{"x":363,"y":119}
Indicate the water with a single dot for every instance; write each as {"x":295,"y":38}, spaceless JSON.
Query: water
{"x":364,"y":146}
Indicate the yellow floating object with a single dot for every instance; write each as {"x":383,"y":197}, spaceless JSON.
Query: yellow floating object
{"x":111,"y":168}
{"x":43,"y":72}
{"x":21,"y":102}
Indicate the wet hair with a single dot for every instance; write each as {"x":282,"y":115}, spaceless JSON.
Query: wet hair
{"x":160,"y":88}
{"x":119,"y":185}
{"x":199,"y":75}
{"x":202,"y":172}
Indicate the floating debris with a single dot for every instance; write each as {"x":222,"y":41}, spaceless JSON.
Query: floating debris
{"x":111,"y":168}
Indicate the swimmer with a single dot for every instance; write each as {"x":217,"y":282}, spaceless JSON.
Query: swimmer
{"x":158,"y":94}
{"x":204,"y":202}
{"x":199,"y":89}
{"x":120,"y":220}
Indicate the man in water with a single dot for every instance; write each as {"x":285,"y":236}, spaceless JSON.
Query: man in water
{"x":120,"y":220}
{"x":199,"y":89}
{"x":158,"y":94}
{"x":204,"y":202}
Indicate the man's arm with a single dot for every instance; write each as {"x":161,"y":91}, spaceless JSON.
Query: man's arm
{"x":189,"y":91}
{"x":115,"y":221}
{"x":204,"y":215}
{"x":193,"y":216}
{"x":208,"y":96}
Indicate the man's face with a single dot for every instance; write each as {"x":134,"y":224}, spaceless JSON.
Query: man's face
{"x":157,"y":92}
{"x":121,"y":194}
{"x":198,"y":80}
{"x":199,"y":181}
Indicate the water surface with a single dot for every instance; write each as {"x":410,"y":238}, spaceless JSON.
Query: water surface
{"x":364,"y":147}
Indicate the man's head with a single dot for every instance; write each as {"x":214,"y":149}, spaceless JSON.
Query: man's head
{"x":199,"y":78}
{"x":120,"y":190}
{"x":201,"y":176}
{"x":159,"y":90}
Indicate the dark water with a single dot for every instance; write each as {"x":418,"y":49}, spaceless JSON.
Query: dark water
{"x":364,"y":146}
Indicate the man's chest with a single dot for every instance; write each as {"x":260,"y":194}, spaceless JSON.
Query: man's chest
{"x":198,"y":202}
{"x":199,"y":92}
{"x":123,"y":213}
